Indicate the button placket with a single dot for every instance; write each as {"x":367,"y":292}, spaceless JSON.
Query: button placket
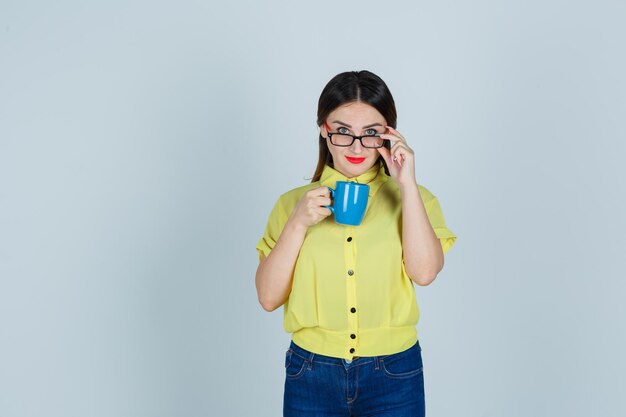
{"x":351,"y":275}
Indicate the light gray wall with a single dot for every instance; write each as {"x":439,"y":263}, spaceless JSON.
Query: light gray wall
{"x":143,"y":143}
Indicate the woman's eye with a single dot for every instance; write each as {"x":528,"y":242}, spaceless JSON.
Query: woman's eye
{"x":370,"y":132}
{"x":343,"y":130}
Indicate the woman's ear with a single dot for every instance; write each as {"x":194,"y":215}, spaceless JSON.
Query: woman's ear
{"x":323,"y":130}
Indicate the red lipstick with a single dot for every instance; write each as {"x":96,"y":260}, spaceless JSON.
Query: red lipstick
{"x":355,"y":160}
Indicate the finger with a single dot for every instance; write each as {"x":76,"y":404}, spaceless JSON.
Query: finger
{"x":402,"y":145}
{"x":324,"y":189}
{"x":400,"y":158}
{"x":395,"y":149}
{"x":321,"y":201}
{"x":397,"y":159}
{"x":395,"y":155}
{"x":390,"y":136}
{"x":393,"y":139}
{"x":398,"y":153}
{"x":323,"y":211}
{"x":320,"y":191}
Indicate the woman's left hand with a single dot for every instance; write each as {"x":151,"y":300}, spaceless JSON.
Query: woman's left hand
{"x":400,"y":159}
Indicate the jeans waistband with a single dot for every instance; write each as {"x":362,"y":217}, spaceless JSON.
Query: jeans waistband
{"x":306,"y":354}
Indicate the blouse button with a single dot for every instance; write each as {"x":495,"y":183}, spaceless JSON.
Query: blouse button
{"x":350,"y":239}
{"x":353,"y":310}
{"x":353,"y":336}
{"x":350,"y":272}
{"x":351,"y":350}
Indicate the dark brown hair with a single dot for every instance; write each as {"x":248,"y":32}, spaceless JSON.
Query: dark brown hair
{"x":348,"y":87}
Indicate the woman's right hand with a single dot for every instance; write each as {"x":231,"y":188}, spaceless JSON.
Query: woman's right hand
{"x":310,"y":209}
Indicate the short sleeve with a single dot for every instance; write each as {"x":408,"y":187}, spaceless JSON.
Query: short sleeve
{"x":273,"y":228}
{"x":438,"y":223}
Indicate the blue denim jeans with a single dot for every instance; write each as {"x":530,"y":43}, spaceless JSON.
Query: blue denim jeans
{"x":388,"y":385}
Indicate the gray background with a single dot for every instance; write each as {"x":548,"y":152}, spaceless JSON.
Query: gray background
{"x":143,"y":144}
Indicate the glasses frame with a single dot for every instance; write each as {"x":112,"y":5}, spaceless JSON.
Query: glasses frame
{"x":360,"y":138}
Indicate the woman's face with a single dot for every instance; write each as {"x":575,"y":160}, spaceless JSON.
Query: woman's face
{"x":356,"y":119}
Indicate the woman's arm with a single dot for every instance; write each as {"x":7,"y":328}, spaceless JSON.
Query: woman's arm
{"x":275,"y":273}
{"x":422,"y":252}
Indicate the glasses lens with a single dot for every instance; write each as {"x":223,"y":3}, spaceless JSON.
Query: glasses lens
{"x":372,"y":141}
{"x":341,"y":140}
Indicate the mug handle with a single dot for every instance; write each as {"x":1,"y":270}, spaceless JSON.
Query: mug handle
{"x":332,"y":195}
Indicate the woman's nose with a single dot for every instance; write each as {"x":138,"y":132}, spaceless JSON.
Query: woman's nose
{"x":357,"y":146}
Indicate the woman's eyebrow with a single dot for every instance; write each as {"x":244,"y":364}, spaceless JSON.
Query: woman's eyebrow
{"x":364,"y":127}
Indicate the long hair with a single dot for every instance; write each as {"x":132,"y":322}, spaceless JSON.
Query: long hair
{"x":348,"y":87}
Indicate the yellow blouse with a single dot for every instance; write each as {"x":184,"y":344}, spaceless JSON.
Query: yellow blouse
{"x":351,"y":295}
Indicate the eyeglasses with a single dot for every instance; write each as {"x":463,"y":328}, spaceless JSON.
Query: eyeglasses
{"x":343,"y":139}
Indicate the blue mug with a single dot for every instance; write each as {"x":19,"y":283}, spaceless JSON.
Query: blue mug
{"x":350,"y":202}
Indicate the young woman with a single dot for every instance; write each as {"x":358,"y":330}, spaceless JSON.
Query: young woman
{"x":347,"y":291}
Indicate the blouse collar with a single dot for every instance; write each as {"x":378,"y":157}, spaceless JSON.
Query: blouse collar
{"x":374,"y":177}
